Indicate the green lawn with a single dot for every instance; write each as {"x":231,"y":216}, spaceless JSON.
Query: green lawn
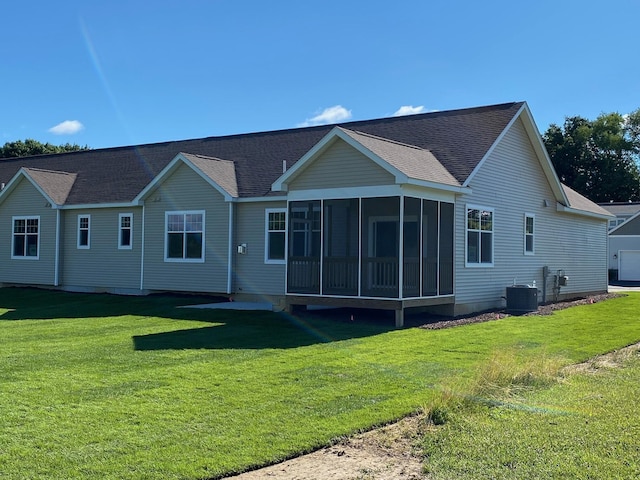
{"x":586,"y":426}
{"x":128,"y":387}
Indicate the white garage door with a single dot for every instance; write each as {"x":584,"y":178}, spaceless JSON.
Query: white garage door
{"x":629,"y":265}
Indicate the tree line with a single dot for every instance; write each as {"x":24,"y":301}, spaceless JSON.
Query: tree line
{"x":30,"y":147}
{"x":598,"y":158}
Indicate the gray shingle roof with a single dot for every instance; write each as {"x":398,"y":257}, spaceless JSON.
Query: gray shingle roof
{"x":222,"y":172}
{"x":413,"y":161}
{"x":579,"y":202}
{"x":56,"y":185}
{"x":457,"y":138}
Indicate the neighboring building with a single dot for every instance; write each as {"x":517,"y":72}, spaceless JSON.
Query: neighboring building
{"x":441,"y":210}
{"x":624,"y":240}
{"x":623,"y":211}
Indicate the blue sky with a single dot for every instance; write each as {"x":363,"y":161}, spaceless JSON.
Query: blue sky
{"x":129,"y":72}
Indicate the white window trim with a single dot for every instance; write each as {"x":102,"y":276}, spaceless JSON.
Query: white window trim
{"x":88,"y":245}
{"x":25,"y":218}
{"x":166,"y":231}
{"x":533,"y":234}
{"x":479,"y":264}
{"x":120,"y":229}
{"x":268,"y":260}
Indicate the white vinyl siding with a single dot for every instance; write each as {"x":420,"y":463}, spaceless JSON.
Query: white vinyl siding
{"x":25,"y":241}
{"x":573,"y":243}
{"x":275,"y":235}
{"x":341,"y":165}
{"x":84,"y":231}
{"x":125,"y":231}
{"x":529,"y":234}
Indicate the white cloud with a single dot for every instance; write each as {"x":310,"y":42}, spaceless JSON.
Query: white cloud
{"x":333,"y":114}
{"x":68,"y":127}
{"x":409,"y":110}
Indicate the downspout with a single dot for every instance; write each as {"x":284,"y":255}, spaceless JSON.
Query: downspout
{"x":142,"y":250}
{"x":56,"y":273}
{"x":230,"y":252}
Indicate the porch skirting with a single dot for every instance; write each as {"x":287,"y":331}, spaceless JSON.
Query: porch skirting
{"x":398,"y":305}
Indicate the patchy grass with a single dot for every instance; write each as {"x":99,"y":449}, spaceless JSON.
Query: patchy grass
{"x":583,"y":426}
{"x":97,"y":386}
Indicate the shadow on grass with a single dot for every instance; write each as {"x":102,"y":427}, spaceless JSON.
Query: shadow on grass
{"x":27,"y":303}
{"x":260,"y":330}
{"x":221,"y":329}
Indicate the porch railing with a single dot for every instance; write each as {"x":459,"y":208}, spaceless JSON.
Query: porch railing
{"x":379,"y":276}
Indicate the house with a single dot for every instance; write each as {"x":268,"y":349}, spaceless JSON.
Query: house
{"x":438,"y":211}
{"x":624,"y":240}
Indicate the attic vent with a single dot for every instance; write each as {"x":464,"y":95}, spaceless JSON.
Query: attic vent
{"x":284,"y":166}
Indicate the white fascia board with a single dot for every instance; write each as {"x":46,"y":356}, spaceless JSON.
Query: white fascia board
{"x":91,"y":206}
{"x":346,"y":192}
{"x":584,"y":213}
{"x":538,"y":147}
{"x":280,"y":185}
{"x":169,"y":169}
{"x":282,"y":198}
{"x":13,"y":183}
{"x":439,"y":186}
{"x":172,"y":165}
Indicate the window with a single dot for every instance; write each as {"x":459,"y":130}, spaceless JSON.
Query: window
{"x":26,"y":238}
{"x":125,"y":231}
{"x":479,"y":236}
{"x":529,"y":241}
{"x":185,"y":236}
{"x":84,"y":225}
{"x":275,"y":234}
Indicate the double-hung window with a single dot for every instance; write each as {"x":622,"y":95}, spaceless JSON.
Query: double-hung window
{"x":275,"y":235}
{"x":26,"y":238}
{"x":125,"y":231}
{"x":529,"y":229}
{"x":84,"y":231}
{"x":184,"y":240}
{"x":479,"y":233}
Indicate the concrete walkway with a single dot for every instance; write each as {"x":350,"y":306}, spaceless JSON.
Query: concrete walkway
{"x":624,"y":288}
{"x":234,"y":306}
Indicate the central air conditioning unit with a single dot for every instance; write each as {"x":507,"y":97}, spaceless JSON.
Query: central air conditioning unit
{"x":522,"y":299}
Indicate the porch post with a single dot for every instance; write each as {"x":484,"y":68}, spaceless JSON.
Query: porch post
{"x":401,"y":254}
{"x":400,"y":318}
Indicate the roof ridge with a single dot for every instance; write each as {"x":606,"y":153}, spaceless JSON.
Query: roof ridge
{"x":207,"y":157}
{"x":388,"y":140}
{"x":45,"y":170}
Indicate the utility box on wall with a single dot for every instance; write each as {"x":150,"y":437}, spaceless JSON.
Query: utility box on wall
{"x":522,"y":299}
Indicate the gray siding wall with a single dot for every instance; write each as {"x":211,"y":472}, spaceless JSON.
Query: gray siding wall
{"x":103,"y":266}
{"x":25,"y":200}
{"x":341,"y":166}
{"x":186,"y":190}
{"x":251,"y":274}
{"x":617,"y":243}
{"x":512,"y":182}
{"x":629,"y":228}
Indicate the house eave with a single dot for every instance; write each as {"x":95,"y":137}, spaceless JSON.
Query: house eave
{"x":584,"y":213}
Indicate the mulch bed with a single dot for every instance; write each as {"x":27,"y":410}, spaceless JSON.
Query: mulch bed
{"x":546,"y":309}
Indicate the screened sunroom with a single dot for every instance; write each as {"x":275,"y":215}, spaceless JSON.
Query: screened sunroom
{"x":378,"y":248}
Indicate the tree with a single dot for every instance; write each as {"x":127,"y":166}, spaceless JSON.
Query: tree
{"x":33,"y":147}
{"x":599,"y":158}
